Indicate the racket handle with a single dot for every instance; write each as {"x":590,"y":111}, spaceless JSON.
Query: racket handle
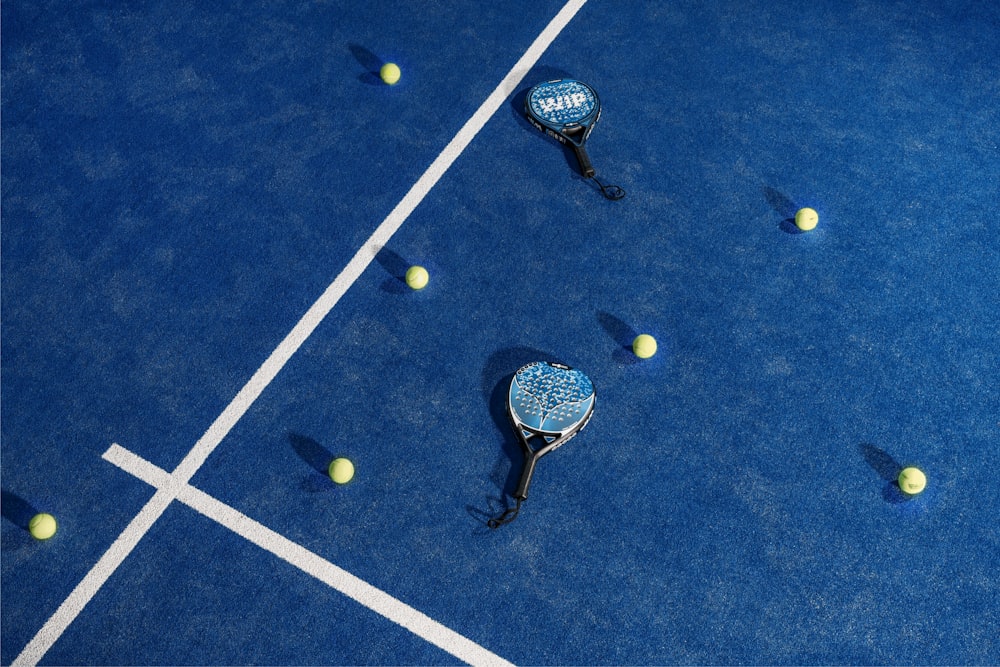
{"x":521,"y":493}
{"x":586,"y":168}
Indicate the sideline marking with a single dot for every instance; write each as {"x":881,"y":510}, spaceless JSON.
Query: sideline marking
{"x":312,"y":564}
{"x":251,"y":391}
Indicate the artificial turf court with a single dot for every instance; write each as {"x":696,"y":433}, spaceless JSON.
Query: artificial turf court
{"x":208,"y":209}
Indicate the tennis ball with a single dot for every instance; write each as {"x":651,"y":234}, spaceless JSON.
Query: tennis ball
{"x":912,"y":481}
{"x":806,"y":219}
{"x":42,"y":526}
{"x":341,"y":470}
{"x":417,"y":277}
{"x":390,"y":73}
{"x":644,"y":346}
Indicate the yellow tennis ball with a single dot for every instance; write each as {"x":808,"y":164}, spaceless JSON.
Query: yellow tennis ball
{"x":806,"y":219}
{"x":417,"y":277}
{"x":341,"y":470}
{"x":912,"y":481}
{"x":42,"y":526}
{"x":644,"y":346}
{"x":390,"y":73}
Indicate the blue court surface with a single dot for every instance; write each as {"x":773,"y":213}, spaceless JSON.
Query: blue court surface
{"x":208,"y":209}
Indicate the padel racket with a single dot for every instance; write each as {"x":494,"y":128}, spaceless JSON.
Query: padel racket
{"x":548,"y":403}
{"x":567,"y":110}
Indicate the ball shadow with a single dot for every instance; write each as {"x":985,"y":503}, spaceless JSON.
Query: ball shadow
{"x":622,"y":334}
{"x":880,"y":461}
{"x":395,"y":265}
{"x":784,"y":207}
{"x":885,"y":467}
{"x":789,"y":227}
{"x":893,"y":495}
{"x":317,"y":457}
{"x":370,"y":62}
{"x":18,"y":511}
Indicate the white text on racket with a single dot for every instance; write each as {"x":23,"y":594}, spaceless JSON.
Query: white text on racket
{"x":561,"y":102}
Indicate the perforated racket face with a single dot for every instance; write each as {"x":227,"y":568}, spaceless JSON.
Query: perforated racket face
{"x":550,"y":399}
{"x":563,"y":103}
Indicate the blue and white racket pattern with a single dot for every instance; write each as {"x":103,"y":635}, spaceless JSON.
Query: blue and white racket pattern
{"x":563,"y":103}
{"x":549,"y":402}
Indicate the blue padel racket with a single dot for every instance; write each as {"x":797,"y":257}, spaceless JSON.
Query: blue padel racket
{"x":548,"y":404}
{"x":567,"y":111}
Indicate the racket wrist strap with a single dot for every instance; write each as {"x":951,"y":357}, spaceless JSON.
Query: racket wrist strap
{"x":508,"y":515}
{"x":612,"y":192}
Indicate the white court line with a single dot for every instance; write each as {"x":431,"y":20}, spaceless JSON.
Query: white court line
{"x":357,"y":589}
{"x":134,"y":532}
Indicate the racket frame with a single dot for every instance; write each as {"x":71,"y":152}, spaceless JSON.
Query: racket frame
{"x":573,"y":134}
{"x":553,"y":439}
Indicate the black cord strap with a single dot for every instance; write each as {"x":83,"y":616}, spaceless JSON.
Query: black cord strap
{"x":612,"y":192}
{"x":509,"y":515}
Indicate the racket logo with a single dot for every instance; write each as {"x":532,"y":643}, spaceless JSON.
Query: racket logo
{"x":552,"y":104}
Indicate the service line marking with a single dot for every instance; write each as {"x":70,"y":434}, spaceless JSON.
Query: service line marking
{"x":120,"y":549}
{"x":353,"y":587}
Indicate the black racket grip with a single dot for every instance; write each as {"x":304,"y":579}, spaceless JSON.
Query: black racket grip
{"x":521,"y":493}
{"x":586,"y":168}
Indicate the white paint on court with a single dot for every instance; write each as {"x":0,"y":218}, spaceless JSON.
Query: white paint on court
{"x":378,"y":601}
{"x":174,"y":486}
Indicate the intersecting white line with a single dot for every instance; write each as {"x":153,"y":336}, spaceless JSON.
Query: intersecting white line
{"x":123,"y":545}
{"x":357,"y":589}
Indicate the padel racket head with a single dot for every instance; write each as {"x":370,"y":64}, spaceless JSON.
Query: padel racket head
{"x":550,"y":400}
{"x":564,"y":108}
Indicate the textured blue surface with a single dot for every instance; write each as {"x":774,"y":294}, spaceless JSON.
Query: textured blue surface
{"x":181,"y":181}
